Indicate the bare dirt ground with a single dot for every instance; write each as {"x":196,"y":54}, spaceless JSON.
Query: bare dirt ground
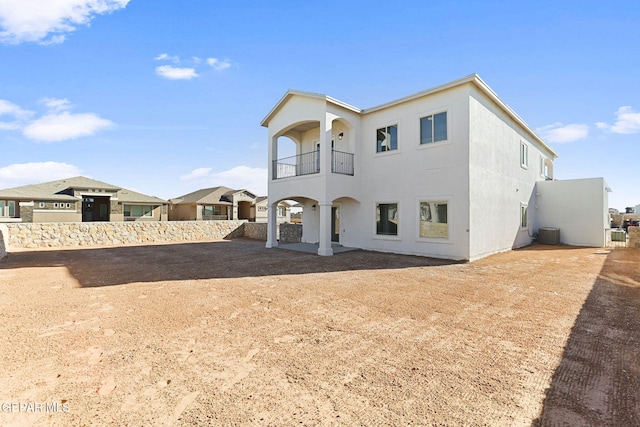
{"x":231,"y":333}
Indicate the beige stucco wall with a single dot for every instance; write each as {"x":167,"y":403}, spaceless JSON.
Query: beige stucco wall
{"x":634,"y":237}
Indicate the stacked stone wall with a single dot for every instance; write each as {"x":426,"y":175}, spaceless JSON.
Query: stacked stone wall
{"x":634,"y":237}
{"x":290,"y":233}
{"x":4,"y":234}
{"x":255,"y":230}
{"x":67,"y":234}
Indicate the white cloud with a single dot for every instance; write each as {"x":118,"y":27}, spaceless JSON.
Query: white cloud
{"x":628,"y":122}
{"x":55,"y":104}
{"x":561,"y":134}
{"x":218,"y":65}
{"x":176,"y":73}
{"x":64,"y":126}
{"x":35,"y":172}
{"x":47,"y":22}
{"x":239,"y":177}
{"x":16,"y":115}
{"x":195,"y":174}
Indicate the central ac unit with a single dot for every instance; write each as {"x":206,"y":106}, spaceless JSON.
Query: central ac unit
{"x":549,"y":235}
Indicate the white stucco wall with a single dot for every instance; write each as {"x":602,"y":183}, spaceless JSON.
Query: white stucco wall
{"x":499,"y":185}
{"x":578,"y":207}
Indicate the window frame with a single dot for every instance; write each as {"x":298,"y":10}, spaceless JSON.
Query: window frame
{"x":440,"y":200}
{"x":385,"y":126}
{"x":524,"y":216}
{"x":124,"y":211}
{"x":524,"y":155}
{"x":376,"y":206}
{"x":7,"y":206}
{"x":432,"y":114}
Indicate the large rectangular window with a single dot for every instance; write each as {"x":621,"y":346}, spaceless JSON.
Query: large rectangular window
{"x":433,"y":128}
{"x":387,"y":219}
{"x":138,"y":211}
{"x":434,"y":222}
{"x":8,"y":208}
{"x":212,"y":210}
{"x":387,"y":138}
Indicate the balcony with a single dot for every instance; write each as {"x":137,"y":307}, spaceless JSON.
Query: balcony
{"x":309,"y":163}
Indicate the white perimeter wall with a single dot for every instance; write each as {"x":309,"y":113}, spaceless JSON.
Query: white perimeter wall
{"x":578,"y":207}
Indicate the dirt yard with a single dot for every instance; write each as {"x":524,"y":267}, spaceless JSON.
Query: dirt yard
{"x":231,"y":333}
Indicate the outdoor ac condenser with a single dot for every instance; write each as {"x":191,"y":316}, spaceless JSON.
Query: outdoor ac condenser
{"x":549,"y":236}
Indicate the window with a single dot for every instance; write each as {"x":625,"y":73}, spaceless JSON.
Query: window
{"x":8,"y":208}
{"x":433,"y":128}
{"x":211,"y":210}
{"x":138,"y":211}
{"x":523,"y":215}
{"x":387,"y":219}
{"x":387,"y":139}
{"x":524,"y":155}
{"x":282,"y":211}
{"x":434,"y":222}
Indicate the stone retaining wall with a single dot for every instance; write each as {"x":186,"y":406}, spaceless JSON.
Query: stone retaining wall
{"x":67,"y":234}
{"x":634,"y":237}
{"x":256,"y":230}
{"x":290,"y":233}
{"x":4,"y":240}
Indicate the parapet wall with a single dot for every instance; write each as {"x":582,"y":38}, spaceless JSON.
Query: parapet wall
{"x":66,"y":234}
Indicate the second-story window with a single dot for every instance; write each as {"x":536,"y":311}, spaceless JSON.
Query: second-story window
{"x":433,"y":128}
{"x":524,"y":155}
{"x":387,"y":138}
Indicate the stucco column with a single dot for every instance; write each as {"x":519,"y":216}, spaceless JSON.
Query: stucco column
{"x":325,"y":144}
{"x":272,"y":215}
{"x":325,"y":230}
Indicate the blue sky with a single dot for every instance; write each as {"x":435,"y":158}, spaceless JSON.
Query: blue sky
{"x":166,"y":97}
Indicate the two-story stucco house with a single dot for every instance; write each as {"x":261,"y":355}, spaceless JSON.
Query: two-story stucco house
{"x":449,"y":172}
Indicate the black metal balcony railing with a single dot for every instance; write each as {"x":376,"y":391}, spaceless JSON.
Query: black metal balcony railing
{"x":309,"y":163}
{"x":342,"y":162}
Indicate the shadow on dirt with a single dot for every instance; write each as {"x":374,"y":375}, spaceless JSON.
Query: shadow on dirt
{"x":236,"y":258}
{"x":598,"y":380}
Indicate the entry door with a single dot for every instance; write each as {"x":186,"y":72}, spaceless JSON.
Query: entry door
{"x":335,"y":224}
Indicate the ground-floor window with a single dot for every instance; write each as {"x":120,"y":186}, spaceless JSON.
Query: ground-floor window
{"x":523,"y":215}
{"x":8,"y":208}
{"x":212,"y":210}
{"x":387,"y":219}
{"x":434,"y":221}
{"x":138,"y":211}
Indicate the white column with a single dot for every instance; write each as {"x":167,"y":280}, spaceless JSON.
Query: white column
{"x":272,"y":215}
{"x":325,"y":230}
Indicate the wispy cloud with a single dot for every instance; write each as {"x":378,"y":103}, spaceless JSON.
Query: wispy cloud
{"x":176,"y":73}
{"x":48,"y":22}
{"x":196,"y":174}
{"x":217,"y":64}
{"x":239,"y":177}
{"x":12,"y":116}
{"x":561,"y":134}
{"x":65,"y":126}
{"x":19,"y":174}
{"x":180,"y":71}
{"x":627,"y":121}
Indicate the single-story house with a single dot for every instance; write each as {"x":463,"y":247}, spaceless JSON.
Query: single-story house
{"x":78,"y":199}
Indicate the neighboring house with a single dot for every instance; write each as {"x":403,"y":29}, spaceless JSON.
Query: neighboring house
{"x":215,"y":203}
{"x":78,"y":199}
{"x":450,"y":172}
{"x":284,"y":210}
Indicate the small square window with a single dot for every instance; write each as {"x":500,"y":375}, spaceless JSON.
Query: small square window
{"x":434,"y":222}
{"x":55,"y":206}
{"x":387,"y":219}
{"x":387,"y":139}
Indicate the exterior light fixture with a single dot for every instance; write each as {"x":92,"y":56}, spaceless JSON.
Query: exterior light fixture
{"x":340,"y":136}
